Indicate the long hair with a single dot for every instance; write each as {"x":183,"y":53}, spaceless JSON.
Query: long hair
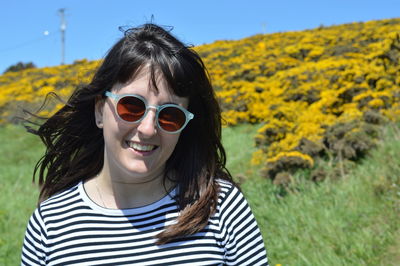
{"x":75,"y":145}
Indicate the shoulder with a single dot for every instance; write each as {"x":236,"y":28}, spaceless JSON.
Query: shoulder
{"x":239,"y":233}
{"x":229,"y":194}
{"x":227,"y":188}
{"x":63,"y":198}
{"x":37,"y":228}
{"x":55,"y":208}
{"x":232,"y":206}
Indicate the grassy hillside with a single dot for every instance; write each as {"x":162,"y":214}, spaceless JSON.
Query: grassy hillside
{"x":321,"y":93}
{"x":318,"y":93}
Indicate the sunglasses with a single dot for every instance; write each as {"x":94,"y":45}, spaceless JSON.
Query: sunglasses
{"x":132,"y":108}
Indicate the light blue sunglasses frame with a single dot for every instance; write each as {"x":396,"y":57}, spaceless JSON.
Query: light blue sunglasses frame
{"x":117,"y":97}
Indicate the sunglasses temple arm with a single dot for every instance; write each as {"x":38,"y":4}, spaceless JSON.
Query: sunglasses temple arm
{"x":111,"y":95}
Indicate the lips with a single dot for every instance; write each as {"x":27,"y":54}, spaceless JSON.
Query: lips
{"x":140,"y":147}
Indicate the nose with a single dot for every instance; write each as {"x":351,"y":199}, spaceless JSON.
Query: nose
{"x":147,"y":127}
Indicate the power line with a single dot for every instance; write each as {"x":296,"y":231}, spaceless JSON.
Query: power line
{"x":46,"y":34}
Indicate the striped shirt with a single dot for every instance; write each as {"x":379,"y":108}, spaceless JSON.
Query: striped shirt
{"x":70,"y":229}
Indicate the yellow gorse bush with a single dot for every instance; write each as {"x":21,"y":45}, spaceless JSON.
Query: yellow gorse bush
{"x":28,"y":88}
{"x":299,"y":85}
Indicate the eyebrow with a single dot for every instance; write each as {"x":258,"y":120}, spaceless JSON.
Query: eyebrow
{"x":170,"y":103}
{"x":135,"y":94}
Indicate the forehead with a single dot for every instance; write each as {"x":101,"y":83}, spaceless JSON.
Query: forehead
{"x":142,"y":84}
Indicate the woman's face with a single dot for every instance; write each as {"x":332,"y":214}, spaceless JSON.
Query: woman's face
{"x":137,"y":152}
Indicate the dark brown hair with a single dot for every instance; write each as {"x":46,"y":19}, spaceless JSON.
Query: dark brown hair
{"x":75,"y":145}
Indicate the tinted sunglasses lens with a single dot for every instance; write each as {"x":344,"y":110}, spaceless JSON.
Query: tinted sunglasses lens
{"x":171,"y":119}
{"x":131,"y":108}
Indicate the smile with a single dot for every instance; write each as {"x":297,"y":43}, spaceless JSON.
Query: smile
{"x":139,"y":147}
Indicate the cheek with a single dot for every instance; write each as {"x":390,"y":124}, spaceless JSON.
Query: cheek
{"x":170,"y":142}
{"x":108,"y":114}
{"x":111,"y":120}
{"x":112,"y":127}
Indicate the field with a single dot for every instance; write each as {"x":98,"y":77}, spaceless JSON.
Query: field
{"x":351,"y":220}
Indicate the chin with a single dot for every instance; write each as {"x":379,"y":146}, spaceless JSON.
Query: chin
{"x":141,"y":169}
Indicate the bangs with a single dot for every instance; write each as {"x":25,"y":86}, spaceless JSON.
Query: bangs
{"x":173,"y":72}
{"x":177,"y":67}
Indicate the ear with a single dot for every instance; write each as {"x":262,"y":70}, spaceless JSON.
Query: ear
{"x":98,"y":111}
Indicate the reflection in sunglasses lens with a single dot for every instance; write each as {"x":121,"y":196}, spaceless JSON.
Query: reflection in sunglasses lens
{"x":131,"y":109}
{"x":171,"y":119}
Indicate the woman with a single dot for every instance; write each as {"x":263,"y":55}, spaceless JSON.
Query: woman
{"x":134,"y":171}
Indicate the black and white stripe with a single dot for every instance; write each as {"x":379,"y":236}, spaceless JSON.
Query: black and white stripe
{"x":70,"y":229}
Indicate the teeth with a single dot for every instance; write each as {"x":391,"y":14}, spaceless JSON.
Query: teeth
{"x":139,"y":147}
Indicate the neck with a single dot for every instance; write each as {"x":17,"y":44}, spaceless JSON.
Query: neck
{"x":122,"y":193}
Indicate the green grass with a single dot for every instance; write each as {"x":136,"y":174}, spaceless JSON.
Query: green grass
{"x":239,"y":145}
{"x":350,"y":221}
{"x":18,"y":196}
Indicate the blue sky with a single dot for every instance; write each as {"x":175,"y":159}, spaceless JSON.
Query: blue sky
{"x":92,"y":25}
